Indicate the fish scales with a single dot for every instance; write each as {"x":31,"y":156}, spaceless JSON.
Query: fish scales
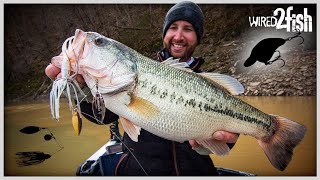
{"x":216,"y":108}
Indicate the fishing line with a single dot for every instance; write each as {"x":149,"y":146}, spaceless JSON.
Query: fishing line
{"x":55,"y":139}
{"x":66,"y":45}
{"x":85,"y":94}
{"x":78,"y":105}
{"x":132,"y":154}
{"x":77,"y":98}
{"x":123,"y":144}
{"x":100,"y":122}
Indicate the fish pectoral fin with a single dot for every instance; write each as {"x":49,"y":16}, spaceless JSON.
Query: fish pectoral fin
{"x":217,"y":147}
{"x":229,"y":83}
{"x":131,"y":129}
{"x":143,"y":107}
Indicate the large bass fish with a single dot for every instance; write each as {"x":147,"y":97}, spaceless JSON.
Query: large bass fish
{"x":169,"y":101}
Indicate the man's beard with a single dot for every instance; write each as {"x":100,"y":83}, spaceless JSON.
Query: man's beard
{"x":186,"y":55}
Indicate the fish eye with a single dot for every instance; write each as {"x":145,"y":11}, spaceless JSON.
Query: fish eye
{"x":99,"y":41}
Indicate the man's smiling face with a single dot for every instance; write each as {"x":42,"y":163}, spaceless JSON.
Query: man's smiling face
{"x":181,"y":40}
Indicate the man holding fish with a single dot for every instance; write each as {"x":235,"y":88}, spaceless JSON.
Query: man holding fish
{"x":170,"y":129}
{"x":182,"y":32}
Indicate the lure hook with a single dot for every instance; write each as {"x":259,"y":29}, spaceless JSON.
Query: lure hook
{"x":276,"y":59}
{"x":295,"y":36}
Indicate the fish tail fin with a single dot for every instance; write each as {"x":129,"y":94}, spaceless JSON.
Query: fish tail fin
{"x":279,"y":147}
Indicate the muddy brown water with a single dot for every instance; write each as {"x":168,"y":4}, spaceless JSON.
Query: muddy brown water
{"x":245,"y":156}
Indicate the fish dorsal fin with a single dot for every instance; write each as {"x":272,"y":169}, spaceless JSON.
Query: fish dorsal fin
{"x":232,"y":85}
{"x":131,"y":129}
{"x":143,"y":107}
{"x":170,"y":60}
{"x":176,"y":64}
{"x":217,"y":147}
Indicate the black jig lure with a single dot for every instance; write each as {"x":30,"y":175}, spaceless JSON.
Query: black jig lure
{"x":31,"y":158}
{"x":265,"y":49}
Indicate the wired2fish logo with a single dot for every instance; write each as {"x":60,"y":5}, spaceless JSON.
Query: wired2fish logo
{"x":292,"y":22}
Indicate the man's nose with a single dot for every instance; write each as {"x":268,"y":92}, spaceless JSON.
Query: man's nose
{"x":178,"y":35}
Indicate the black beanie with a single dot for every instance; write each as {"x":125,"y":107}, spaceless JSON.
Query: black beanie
{"x":187,"y":11}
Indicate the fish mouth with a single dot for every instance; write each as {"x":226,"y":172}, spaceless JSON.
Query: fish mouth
{"x":78,"y":43}
{"x":74,"y":48}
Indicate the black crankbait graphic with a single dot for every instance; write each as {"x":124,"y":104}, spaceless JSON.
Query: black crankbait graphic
{"x":265,"y":49}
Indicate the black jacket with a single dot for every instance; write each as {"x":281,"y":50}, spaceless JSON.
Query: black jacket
{"x":160,"y":156}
